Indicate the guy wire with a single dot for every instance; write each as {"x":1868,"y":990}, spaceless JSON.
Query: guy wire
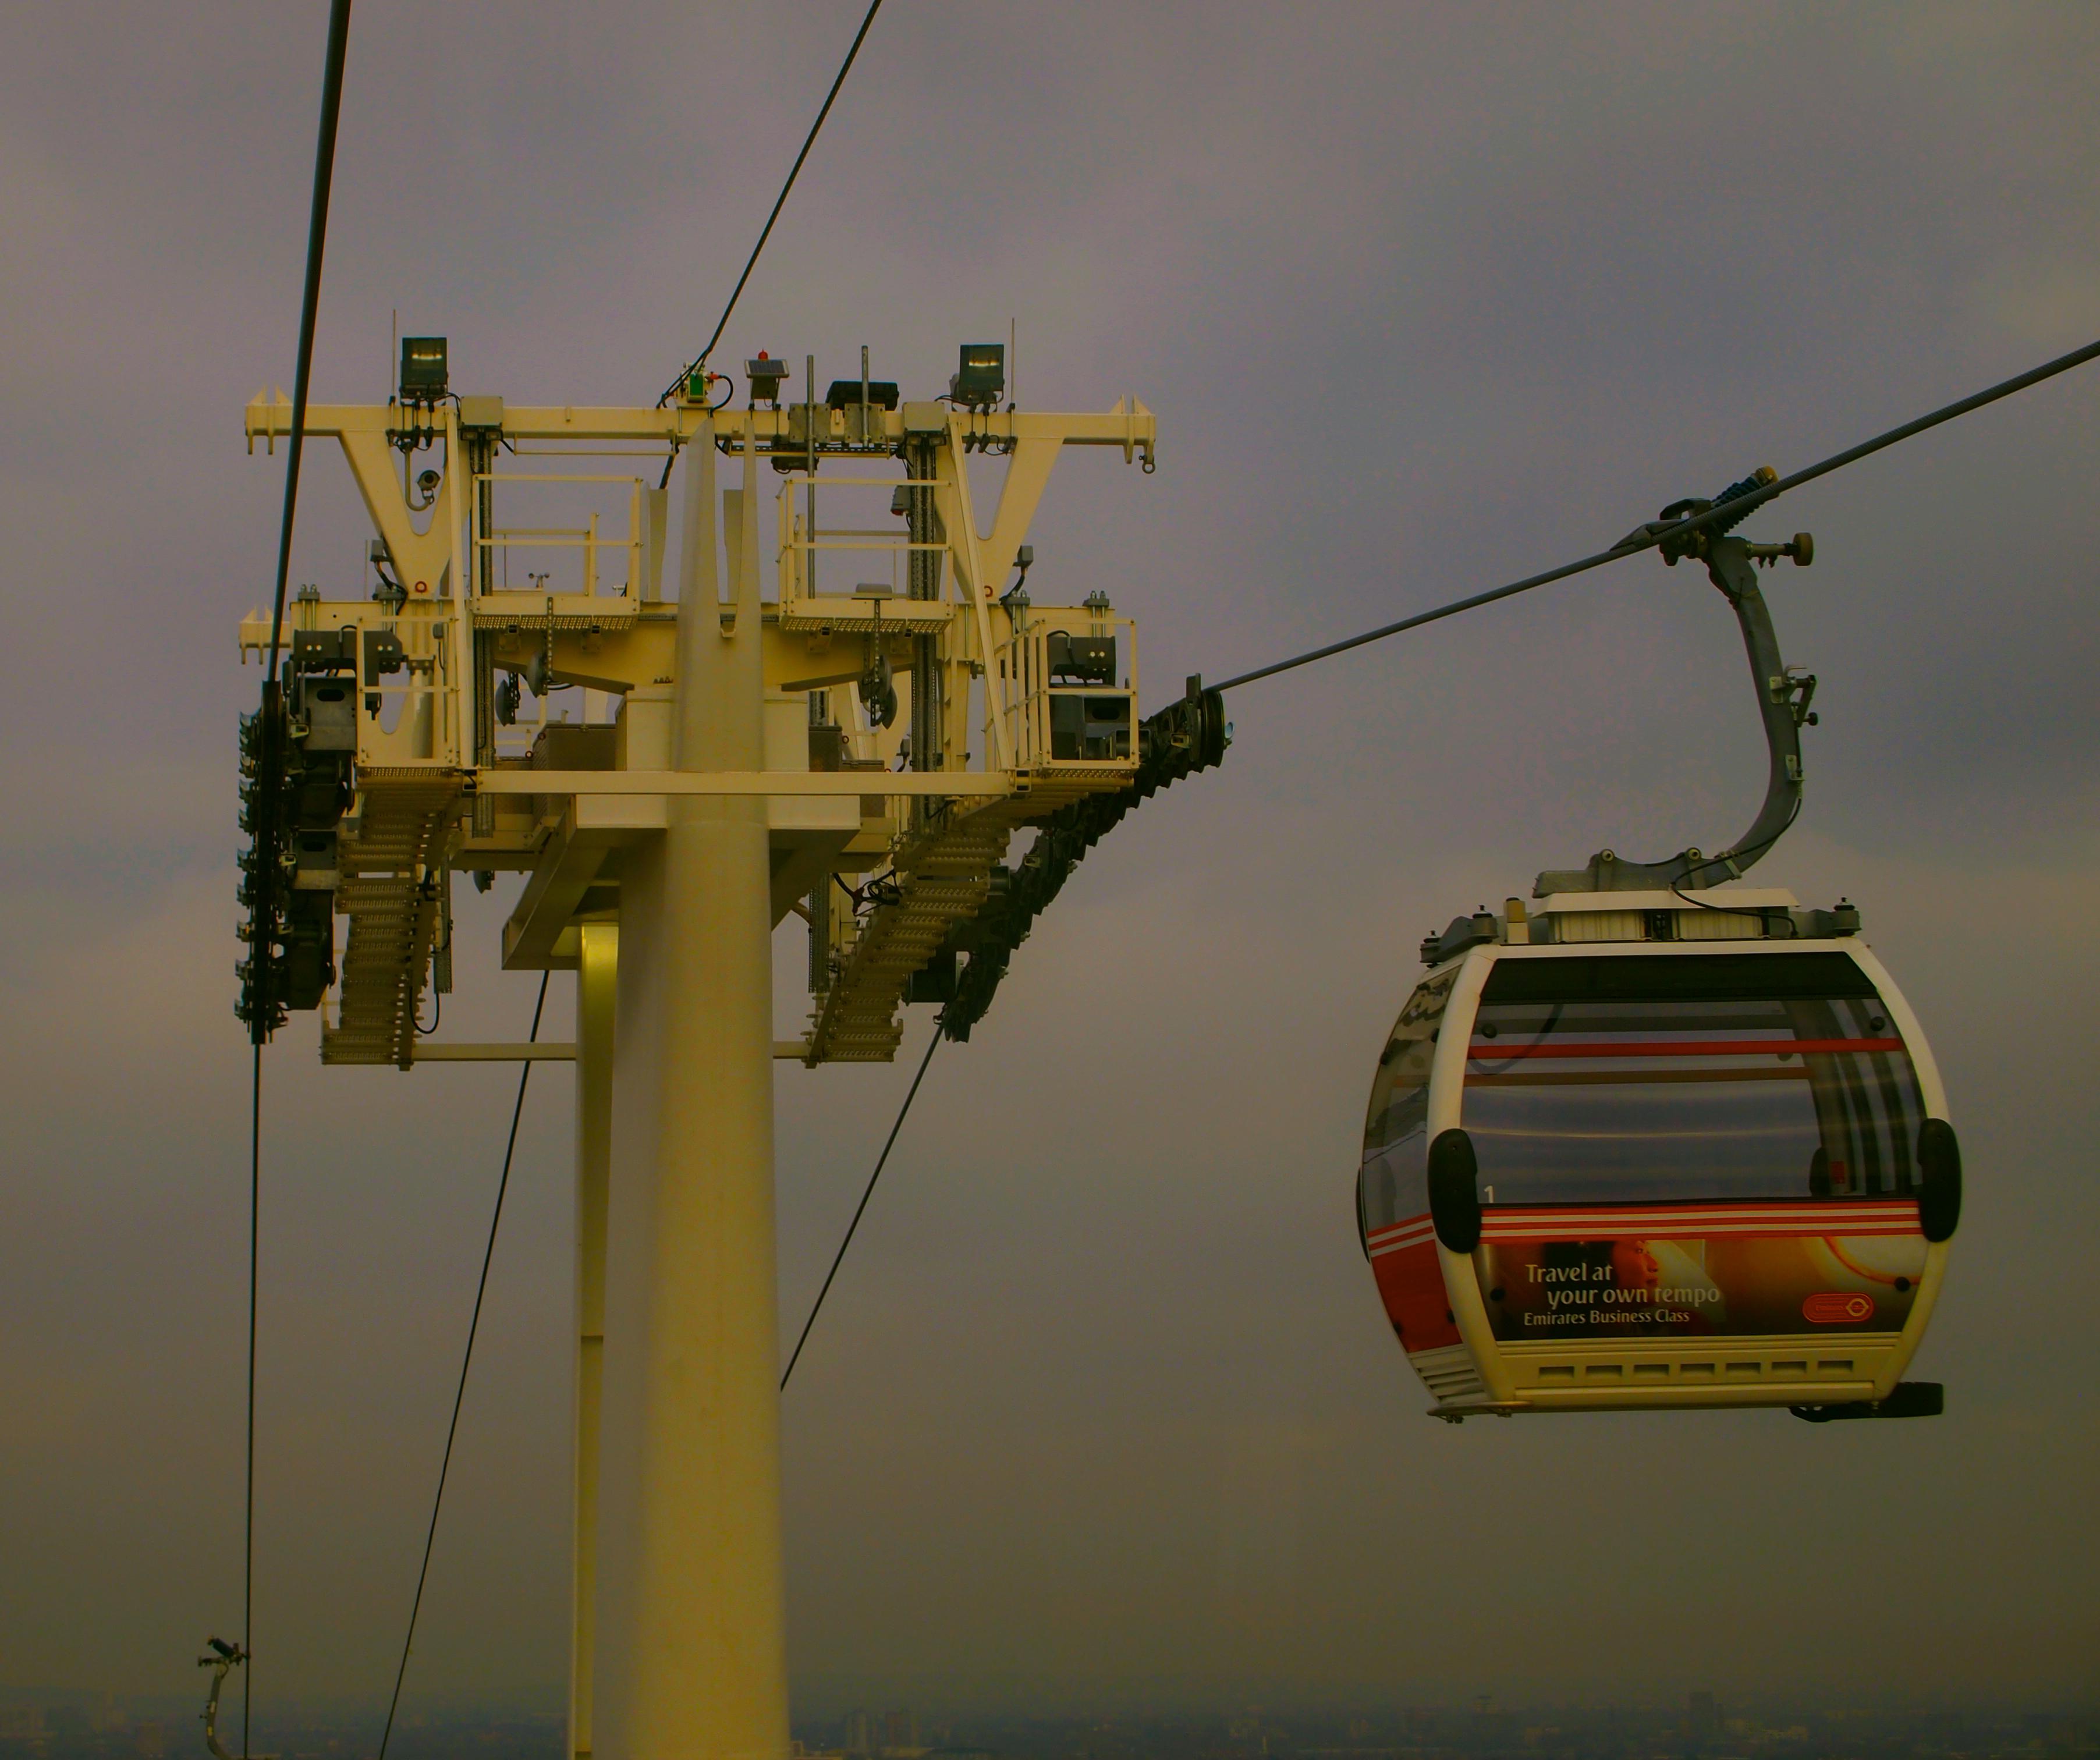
{"x":838,"y":1258}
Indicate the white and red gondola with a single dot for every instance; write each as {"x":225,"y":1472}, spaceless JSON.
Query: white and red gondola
{"x":1658,"y":1140}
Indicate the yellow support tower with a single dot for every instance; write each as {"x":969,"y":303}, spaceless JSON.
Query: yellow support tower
{"x":859,"y":749}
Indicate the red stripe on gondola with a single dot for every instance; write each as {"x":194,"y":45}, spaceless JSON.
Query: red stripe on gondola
{"x":1711,"y":1206}
{"x":1419,"y":1219}
{"x":1867,"y":1209}
{"x":1401,"y":1233}
{"x":1672,"y":1228}
{"x":1702,"y":1047}
{"x":1884,"y":1216}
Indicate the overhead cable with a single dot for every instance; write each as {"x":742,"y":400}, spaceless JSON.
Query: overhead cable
{"x":1668,"y":531}
{"x":264,"y":951}
{"x":338,"y":43}
{"x":839,"y":1257}
{"x":247,"y":1498}
{"x":466,"y":1362}
{"x":1728,"y":513}
{"x":766,"y":232}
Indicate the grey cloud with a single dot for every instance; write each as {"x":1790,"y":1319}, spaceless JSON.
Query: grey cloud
{"x":1103,"y":1408}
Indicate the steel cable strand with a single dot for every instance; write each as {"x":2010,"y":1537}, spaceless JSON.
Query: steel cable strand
{"x":467,"y":1363}
{"x":1724,"y":514}
{"x":265,"y":878}
{"x":767,"y":231}
{"x":881,"y":1161}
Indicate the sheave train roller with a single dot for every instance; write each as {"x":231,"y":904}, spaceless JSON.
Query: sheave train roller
{"x":1659,"y":1139}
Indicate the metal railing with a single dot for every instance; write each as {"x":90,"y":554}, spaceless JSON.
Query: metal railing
{"x":502,"y":539}
{"x":541,"y":603}
{"x":1054,"y":719}
{"x":800,"y":539}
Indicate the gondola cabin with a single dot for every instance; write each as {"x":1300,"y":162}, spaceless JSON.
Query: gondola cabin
{"x":1633,"y":1150}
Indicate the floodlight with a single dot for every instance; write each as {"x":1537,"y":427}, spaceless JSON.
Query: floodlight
{"x":981,"y":382}
{"x":424,"y":375}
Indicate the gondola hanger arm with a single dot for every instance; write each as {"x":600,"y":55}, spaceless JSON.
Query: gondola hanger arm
{"x":1731,"y":565}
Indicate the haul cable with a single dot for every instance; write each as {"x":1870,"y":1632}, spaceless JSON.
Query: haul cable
{"x":1647,"y":537}
{"x":1668,"y":532}
{"x":264,"y":950}
{"x":845,"y":68}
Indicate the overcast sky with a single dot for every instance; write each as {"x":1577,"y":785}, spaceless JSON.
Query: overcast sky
{"x":1104,"y":1410}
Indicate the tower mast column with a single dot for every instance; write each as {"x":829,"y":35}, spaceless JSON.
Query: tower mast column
{"x":597,"y":978}
{"x":691,"y":1652}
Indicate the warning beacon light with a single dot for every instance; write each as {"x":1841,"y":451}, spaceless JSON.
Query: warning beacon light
{"x":981,"y":381}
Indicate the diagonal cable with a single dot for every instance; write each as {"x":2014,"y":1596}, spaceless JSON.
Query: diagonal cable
{"x":838,"y":1258}
{"x":1667,"y":531}
{"x":466,"y":1362}
{"x":737,"y":292}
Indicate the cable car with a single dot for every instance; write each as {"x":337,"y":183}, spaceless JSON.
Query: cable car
{"x":1659,"y":1140}
{"x":1659,"y":1171}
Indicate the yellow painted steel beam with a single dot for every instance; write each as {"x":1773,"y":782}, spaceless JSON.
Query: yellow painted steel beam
{"x":1130,"y":425}
{"x":972,"y":784}
{"x":464,"y":1051}
{"x":542,"y":1051}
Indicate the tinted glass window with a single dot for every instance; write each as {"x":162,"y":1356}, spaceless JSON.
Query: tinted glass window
{"x":1653,"y":978}
{"x":1393,"y":1184}
{"x":1730,"y":1076}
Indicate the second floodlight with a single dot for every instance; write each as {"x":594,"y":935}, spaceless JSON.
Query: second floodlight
{"x":424,"y":374}
{"x":981,"y":381}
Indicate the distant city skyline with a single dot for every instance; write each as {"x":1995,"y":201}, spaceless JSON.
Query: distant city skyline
{"x":1697,"y":1728}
